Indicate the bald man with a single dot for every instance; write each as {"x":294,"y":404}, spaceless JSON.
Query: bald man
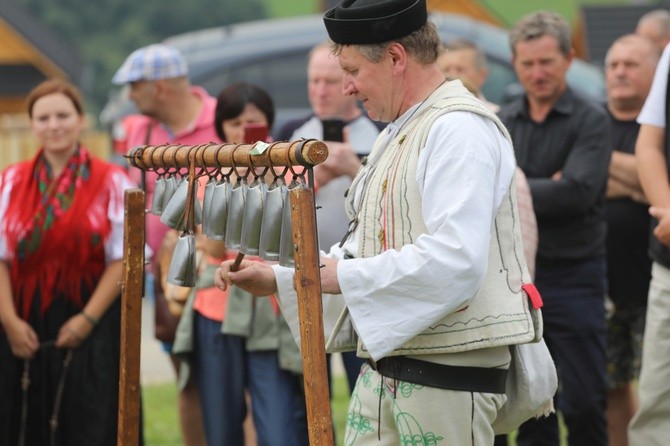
{"x":655,"y":25}
{"x":462,"y":59}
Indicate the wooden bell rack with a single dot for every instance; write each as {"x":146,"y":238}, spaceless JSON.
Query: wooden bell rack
{"x":306,"y":153}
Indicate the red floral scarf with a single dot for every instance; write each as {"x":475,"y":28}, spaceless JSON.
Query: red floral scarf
{"x":55,"y":230}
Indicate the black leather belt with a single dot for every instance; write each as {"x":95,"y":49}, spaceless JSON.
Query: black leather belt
{"x":441,"y":376}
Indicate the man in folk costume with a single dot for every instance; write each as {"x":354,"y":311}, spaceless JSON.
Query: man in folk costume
{"x":431,"y":279}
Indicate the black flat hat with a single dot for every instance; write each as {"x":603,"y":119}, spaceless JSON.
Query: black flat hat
{"x":356,"y":22}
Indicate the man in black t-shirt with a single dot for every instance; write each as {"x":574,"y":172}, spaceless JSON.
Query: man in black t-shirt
{"x":629,"y":71}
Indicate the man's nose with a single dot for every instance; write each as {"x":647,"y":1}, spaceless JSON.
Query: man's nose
{"x":620,"y":70}
{"x":347,"y":88}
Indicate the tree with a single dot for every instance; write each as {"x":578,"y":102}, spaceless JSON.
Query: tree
{"x":106,"y":31}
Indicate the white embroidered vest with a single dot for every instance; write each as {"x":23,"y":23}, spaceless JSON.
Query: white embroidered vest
{"x":500,"y":313}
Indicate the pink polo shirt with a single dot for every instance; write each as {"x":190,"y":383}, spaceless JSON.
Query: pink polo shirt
{"x":201,"y":131}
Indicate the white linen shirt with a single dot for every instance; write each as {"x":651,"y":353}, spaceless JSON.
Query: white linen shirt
{"x":463,"y":173}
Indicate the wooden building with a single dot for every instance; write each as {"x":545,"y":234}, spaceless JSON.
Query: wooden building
{"x":30,"y":53}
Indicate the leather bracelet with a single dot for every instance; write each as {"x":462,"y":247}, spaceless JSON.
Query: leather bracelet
{"x":91,"y":320}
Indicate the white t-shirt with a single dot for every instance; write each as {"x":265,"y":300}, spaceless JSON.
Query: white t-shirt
{"x":653,"y":111}
{"x":332,"y":221}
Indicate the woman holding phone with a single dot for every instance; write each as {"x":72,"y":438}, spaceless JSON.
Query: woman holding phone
{"x":242,"y":343}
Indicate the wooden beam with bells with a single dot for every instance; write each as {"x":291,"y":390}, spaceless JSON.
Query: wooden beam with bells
{"x":306,"y":153}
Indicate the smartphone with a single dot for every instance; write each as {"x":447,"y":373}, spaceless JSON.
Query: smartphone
{"x":255,"y":132}
{"x":333,"y":130}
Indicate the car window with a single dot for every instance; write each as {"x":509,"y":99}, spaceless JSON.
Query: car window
{"x":285,"y":78}
{"x":500,"y":76}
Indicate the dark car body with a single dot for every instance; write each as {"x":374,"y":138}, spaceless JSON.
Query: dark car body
{"x":273,"y":54}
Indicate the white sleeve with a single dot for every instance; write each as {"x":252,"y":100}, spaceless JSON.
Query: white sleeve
{"x":288,"y":300}
{"x":6,"y":184}
{"x":394,"y":296}
{"x":118,"y":183}
{"x":653,"y":111}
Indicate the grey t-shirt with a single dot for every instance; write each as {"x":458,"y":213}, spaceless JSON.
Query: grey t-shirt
{"x":332,"y":221}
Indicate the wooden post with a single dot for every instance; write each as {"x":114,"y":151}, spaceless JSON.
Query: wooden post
{"x":310,"y":310}
{"x":128,"y":433}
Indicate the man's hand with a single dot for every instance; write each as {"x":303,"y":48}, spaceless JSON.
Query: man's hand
{"x":618,"y":189}
{"x":662,"y":231}
{"x":342,"y":159}
{"x":254,"y":277}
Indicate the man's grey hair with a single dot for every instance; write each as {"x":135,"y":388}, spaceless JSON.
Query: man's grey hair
{"x":423,"y":45}
{"x":464,"y":44}
{"x":539,"y":24}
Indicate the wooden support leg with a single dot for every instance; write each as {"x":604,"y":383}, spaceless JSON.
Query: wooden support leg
{"x":310,"y":310}
{"x":131,"y":319}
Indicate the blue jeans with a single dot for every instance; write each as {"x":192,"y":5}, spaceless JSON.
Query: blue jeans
{"x":574,"y":329}
{"x":223,"y":369}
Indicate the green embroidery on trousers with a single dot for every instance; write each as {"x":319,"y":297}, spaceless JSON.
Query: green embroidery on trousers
{"x":411,"y":433}
{"x":357,"y":423}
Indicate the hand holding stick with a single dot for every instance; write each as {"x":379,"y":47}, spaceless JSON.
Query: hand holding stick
{"x":238,"y":260}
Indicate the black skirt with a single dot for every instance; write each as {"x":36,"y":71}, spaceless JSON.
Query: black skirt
{"x":89,"y":407}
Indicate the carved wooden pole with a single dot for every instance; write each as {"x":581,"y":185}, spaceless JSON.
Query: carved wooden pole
{"x":131,"y":316}
{"x":310,"y":309}
{"x":308,"y":278}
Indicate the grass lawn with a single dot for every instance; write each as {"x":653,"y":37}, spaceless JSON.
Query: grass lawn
{"x":161,"y":427}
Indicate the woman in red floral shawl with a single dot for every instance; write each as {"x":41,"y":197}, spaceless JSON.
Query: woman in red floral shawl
{"x":61,"y":234}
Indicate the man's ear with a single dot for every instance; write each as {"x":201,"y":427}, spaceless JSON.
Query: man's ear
{"x":398,"y":56}
{"x":160,"y":87}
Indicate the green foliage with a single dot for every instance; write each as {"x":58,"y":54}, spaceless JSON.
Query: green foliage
{"x":292,"y":8}
{"x":104,"y":32}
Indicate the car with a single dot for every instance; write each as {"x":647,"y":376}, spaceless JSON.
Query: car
{"x":273,"y":53}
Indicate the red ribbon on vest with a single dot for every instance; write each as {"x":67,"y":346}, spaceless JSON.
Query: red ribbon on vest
{"x":533,"y":295}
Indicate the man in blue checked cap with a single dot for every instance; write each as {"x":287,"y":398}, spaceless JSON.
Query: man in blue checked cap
{"x":151,"y":63}
{"x":174,"y":112}
{"x":429,"y":285}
